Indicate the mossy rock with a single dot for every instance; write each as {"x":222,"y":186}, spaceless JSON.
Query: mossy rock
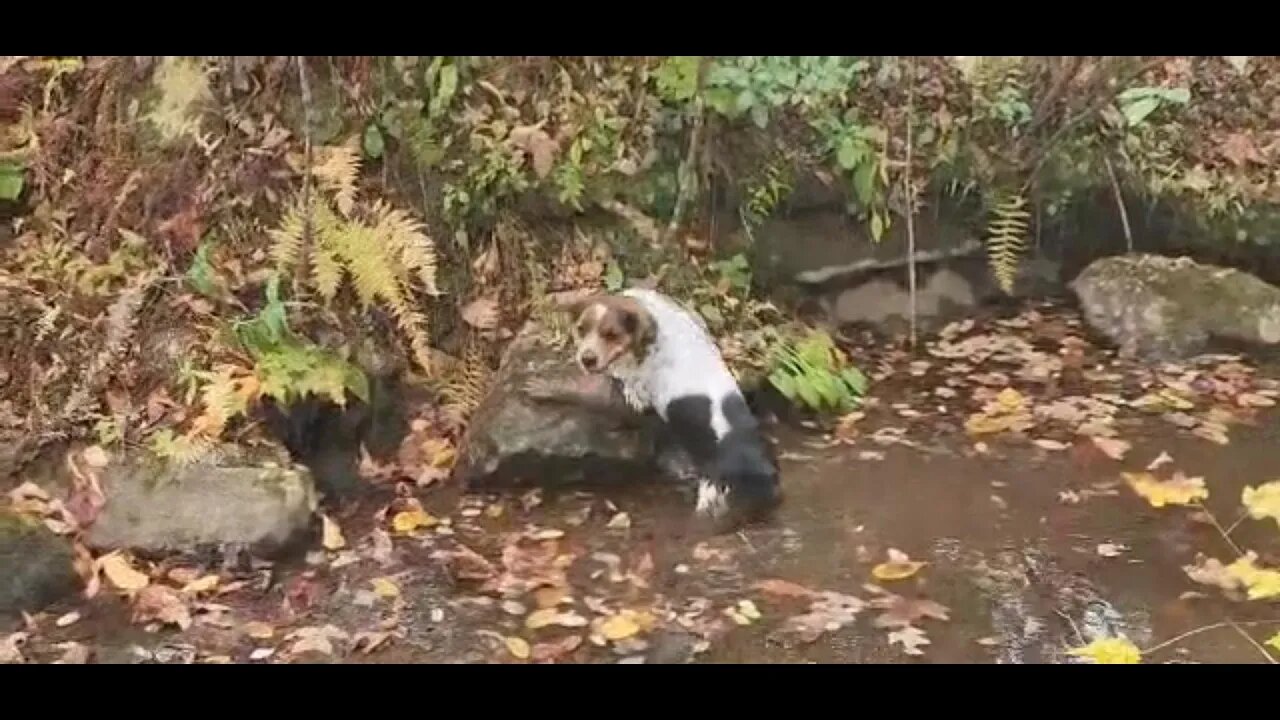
{"x":36,"y":566}
{"x":1163,"y":308}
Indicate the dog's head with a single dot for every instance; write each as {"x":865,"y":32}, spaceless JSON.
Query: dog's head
{"x":609,"y":327}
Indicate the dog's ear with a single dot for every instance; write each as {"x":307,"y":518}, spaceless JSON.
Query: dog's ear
{"x":639,"y":324}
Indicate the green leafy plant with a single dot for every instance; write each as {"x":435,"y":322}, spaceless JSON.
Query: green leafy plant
{"x":1137,"y":104}
{"x":12,"y":179}
{"x":813,"y":372}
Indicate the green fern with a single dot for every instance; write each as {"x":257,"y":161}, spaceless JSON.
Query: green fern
{"x":386,"y":253}
{"x":1006,"y":237}
{"x":764,"y":197}
{"x":813,"y":372}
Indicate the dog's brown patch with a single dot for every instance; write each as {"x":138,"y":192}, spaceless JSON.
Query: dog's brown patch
{"x":608,"y":327}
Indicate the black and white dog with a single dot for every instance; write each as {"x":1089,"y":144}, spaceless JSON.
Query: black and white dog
{"x":662,"y":358}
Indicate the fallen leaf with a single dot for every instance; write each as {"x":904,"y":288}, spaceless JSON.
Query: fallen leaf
{"x":316,"y":639}
{"x":784,"y":588}
{"x":200,"y":585}
{"x":900,"y":612}
{"x":518,"y":647}
{"x":1109,"y":651}
{"x":1178,"y":490}
{"x":1110,"y":550}
{"x":1047,"y":444}
{"x":621,"y":521}
{"x":70,"y":618}
{"x":899,"y":567}
{"x":96,"y":457}
{"x":367,"y":642}
{"x":73,"y":653}
{"x":163,"y":604}
{"x":1274,"y":642}
{"x":618,"y":627}
{"x":550,"y":616}
{"x":549,"y":597}
{"x":258,"y":630}
{"x":261,"y":653}
{"x":911,"y":638}
{"x":333,"y":539}
{"x":407,"y":521}
{"x":1261,"y":583}
{"x":1263,"y":501}
{"x":830,"y":612}
{"x":550,"y":651}
{"x":121,"y":573}
{"x":385,"y":588}
{"x":1111,"y":447}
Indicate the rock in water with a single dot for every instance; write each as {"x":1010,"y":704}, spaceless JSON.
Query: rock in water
{"x":155,"y":507}
{"x":36,"y":566}
{"x":512,"y":441}
{"x":1162,"y":308}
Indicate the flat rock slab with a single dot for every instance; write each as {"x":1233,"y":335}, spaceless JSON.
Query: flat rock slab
{"x":1163,"y":308}
{"x":159,"y":508}
{"x":36,"y":566}
{"x":513,"y":441}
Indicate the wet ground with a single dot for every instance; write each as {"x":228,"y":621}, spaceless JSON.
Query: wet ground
{"x":1032,"y":542}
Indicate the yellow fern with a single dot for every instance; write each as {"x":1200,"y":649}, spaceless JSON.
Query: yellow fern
{"x":183,"y":86}
{"x":337,"y":171}
{"x":1006,"y":237}
{"x":385,"y":251}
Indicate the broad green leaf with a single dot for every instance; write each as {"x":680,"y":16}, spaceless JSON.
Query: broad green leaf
{"x":12,"y":179}
{"x":1136,"y":112}
{"x":877,"y":226}
{"x":864,"y":183}
{"x":374,"y":145}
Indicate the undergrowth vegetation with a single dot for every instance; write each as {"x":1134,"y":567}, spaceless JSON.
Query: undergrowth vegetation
{"x":435,"y":201}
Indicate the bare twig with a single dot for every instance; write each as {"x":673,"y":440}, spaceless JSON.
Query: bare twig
{"x":1205,"y":628}
{"x":1242,"y":517}
{"x":1265,"y":655}
{"x":304,"y":84}
{"x":1218,"y":526}
{"x":911,"y":204}
{"x":687,"y":174}
{"x":1124,"y":214}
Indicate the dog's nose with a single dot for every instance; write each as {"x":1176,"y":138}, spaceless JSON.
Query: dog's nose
{"x":588,"y":360}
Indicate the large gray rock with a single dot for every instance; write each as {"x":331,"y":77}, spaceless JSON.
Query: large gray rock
{"x":36,"y":566}
{"x":1162,"y":308}
{"x":156,"y":507}
{"x":513,"y":441}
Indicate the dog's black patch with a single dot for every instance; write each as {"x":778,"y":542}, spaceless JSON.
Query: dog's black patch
{"x":742,"y":461}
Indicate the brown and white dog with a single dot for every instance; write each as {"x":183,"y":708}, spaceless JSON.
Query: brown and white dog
{"x":663,"y":359}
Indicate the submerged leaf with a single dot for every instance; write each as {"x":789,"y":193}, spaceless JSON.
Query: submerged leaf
{"x":1179,"y":490}
{"x":1109,"y":651}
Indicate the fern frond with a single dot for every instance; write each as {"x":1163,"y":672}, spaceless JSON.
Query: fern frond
{"x":408,"y":235}
{"x":286,"y":240}
{"x":180,"y":450}
{"x":337,"y":172}
{"x":226,"y":396}
{"x":1006,"y":237}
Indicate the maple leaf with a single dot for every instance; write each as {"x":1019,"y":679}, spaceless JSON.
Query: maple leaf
{"x":830,"y":612}
{"x":1178,"y":490}
{"x":899,"y":567}
{"x":121,"y":573}
{"x":911,"y":638}
{"x":1263,"y":501}
{"x":1109,"y":651}
{"x":1262,"y":584}
{"x":406,"y":521}
{"x":900,"y":612}
{"x":333,"y":539}
{"x":1111,"y":447}
{"x":158,"y":602}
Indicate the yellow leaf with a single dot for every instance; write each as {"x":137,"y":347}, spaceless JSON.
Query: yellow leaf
{"x":899,"y":567}
{"x":550,"y":616}
{"x":1275,"y":641}
{"x":200,"y":585}
{"x":333,"y":539}
{"x":1263,"y":584}
{"x":1111,"y":447}
{"x":1179,"y":490}
{"x":1264,"y":501}
{"x":121,"y":573}
{"x":1109,"y":651}
{"x":518,"y":647}
{"x":385,"y":588}
{"x":619,"y":627}
{"x":410,"y":520}
{"x":1010,"y":400}
{"x":258,"y":630}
